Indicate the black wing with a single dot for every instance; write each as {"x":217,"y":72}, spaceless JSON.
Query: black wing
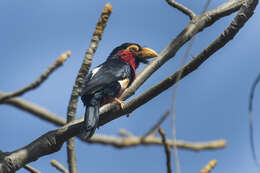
{"x":109,"y":72}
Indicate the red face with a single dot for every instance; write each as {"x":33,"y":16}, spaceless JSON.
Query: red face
{"x":128,"y":57}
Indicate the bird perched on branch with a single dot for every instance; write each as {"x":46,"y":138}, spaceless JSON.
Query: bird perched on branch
{"x":107,"y":82}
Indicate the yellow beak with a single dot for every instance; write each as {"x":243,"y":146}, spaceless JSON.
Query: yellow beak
{"x":147,"y":53}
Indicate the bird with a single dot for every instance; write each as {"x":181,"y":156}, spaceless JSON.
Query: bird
{"x":106,"y":82}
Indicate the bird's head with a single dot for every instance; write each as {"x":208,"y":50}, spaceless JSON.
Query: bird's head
{"x":133,"y":53}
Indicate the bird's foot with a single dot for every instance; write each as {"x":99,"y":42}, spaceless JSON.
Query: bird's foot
{"x":120,"y":102}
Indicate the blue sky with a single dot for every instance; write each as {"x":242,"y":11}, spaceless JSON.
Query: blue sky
{"x":211,"y":102}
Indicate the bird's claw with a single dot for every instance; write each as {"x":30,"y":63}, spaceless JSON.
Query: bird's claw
{"x":120,"y":102}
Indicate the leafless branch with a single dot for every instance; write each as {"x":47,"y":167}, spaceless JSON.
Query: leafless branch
{"x":85,"y":66}
{"x":31,"y":169}
{"x":38,"y":81}
{"x":250,"y":116}
{"x":59,"y":166}
{"x":124,"y":133}
{"x":174,"y":96}
{"x":36,"y":110}
{"x":111,"y":112}
{"x":44,"y":145}
{"x":157,"y":124}
{"x":182,"y":8}
{"x":133,"y":141}
{"x":167,"y":150}
{"x":53,"y":140}
{"x":208,"y":168}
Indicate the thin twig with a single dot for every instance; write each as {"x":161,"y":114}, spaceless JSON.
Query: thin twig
{"x":85,"y":66}
{"x":38,"y":81}
{"x":251,"y":121}
{"x":59,"y":166}
{"x":31,"y":169}
{"x":124,"y":133}
{"x":182,"y":8}
{"x":209,"y":167}
{"x":157,"y":124}
{"x":174,"y":96}
{"x":167,"y":150}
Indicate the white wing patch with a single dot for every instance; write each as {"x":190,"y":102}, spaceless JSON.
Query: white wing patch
{"x":95,"y":70}
{"x":124,"y":83}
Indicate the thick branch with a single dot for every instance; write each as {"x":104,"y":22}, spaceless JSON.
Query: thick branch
{"x":52,"y":141}
{"x":243,"y":15}
{"x":38,"y":81}
{"x":72,"y":107}
{"x":101,"y":139}
{"x":111,"y":110}
{"x":44,"y":145}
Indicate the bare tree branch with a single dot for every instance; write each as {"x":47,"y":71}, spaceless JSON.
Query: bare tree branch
{"x":133,"y":141}
{"x":243,"y":15}
{"x":59,"y":166}
{"x":174,"y":96}
{"x":209,"y":167}
{"x":53,"y":140}
{"x":206,"y":19}
{"x":38,"y":81}
{"x":44,"y":145}
{"x":250,"y":116}
{"x":157,"y":124}
{"x":182,"y":8}
{"x":85,"y":66}
{"x":34,"y":109}
{"x":167,"y":150}
{"x":31,"y":169}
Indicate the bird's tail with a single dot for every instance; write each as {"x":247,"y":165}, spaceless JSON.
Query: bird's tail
{"x":91,"y":120}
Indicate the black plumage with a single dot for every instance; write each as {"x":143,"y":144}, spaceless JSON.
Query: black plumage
{"x":105,"y":82}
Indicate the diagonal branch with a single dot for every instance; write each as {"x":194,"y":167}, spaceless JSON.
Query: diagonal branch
{"x":59,"y":166}
{"x":157,"y":124}
{"x":35,"y":110}
{"x":31,"y":169}
{"x":111,"y":110}
{"x":209,"y":167}
{"x":61,"y":59}
{"x":195,"y":26}
{"x":52,"y":141}
{"x":243,"y":15}
{"x":85,"y":66}
{"x":182,"y":8}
